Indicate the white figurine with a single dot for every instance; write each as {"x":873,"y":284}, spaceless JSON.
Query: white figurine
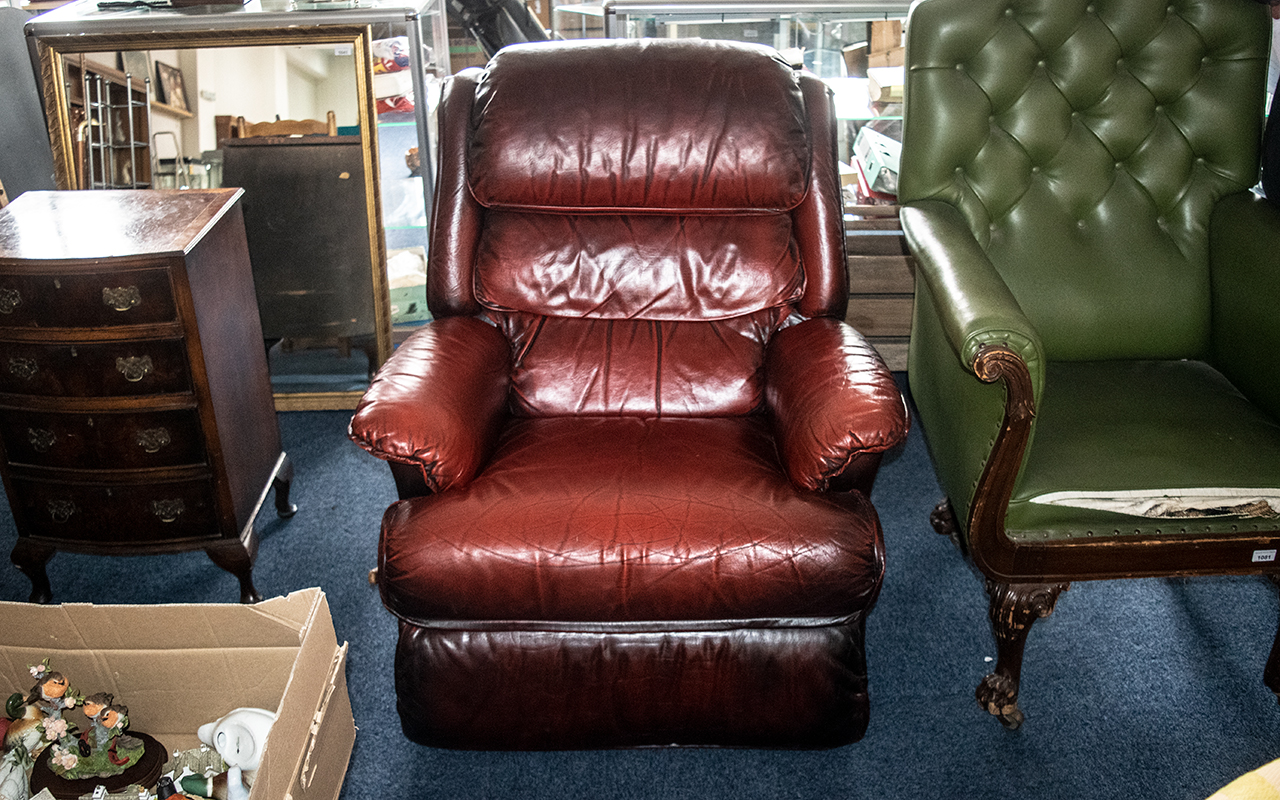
{"x":13,"y":777}
{"x":239,"y":737}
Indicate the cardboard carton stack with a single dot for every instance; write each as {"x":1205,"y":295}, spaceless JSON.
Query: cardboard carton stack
{"x":885,"y":48}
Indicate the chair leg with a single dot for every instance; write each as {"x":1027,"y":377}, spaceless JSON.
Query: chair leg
{"x":943,"y":518}
{"x":1271,"y":674}
{"x":1014,"y":608}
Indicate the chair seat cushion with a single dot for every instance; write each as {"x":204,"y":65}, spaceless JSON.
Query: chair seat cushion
{"x":1149,"y":430}
{"x":621,"y":520}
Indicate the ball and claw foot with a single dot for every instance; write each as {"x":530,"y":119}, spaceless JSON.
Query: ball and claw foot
{"x":999,"y":696}
{"x":943,"y":519}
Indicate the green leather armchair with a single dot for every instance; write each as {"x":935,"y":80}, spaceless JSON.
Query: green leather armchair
{"x":1095,"y":348}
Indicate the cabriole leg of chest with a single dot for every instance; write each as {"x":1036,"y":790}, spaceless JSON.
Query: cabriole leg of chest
{"x":30,"y":558}
{"x":237,"y":559}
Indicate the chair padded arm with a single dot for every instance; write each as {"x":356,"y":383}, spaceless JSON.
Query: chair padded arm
{"x":974,"y":303}
{"x":1244,"y":250}
{"x":831,"y":399}
{"x":439,"y":401}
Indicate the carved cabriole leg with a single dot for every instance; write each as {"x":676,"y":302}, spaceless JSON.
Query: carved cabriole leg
{"x":237,"y":559}
{"x":30,"y":558}
{"x":281,"y":484}
{"x":1271,"y":674}
{"x":1014,"y":608}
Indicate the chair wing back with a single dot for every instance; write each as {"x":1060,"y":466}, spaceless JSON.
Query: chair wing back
{"x":639,"y":218}
{"x":1086,"y":143}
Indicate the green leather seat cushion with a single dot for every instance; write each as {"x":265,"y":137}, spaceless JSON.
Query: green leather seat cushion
{"x":1141,"y":426}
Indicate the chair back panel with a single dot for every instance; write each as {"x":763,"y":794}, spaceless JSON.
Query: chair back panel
{"x":637,"y":266}
{"x":639,"y":217}
{"x":1086,"y":143}
{"x":639,"y":367}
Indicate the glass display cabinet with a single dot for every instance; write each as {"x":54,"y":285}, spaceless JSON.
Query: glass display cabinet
{"x":190,"y":81}
{"x":821,"y":29}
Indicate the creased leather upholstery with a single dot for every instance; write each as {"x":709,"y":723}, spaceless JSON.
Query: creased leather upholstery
{"x":738,"y":687}
{"x":458,"y":368}
{"x":638,"y":267}
{"x":612,"y":527}
{"x":638,"y":133}
{"x":650,"y":455}
{"x":820,"y":374}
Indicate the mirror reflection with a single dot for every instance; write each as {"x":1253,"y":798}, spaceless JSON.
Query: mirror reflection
{"x":283,"y":122}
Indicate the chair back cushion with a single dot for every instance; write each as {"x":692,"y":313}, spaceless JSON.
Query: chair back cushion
{"x":639,"y":220}
{"x":1086,"y":143}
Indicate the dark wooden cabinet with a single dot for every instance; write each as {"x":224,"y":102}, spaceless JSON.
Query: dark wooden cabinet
{"x":306,"y":217}
{"x":135,"y":408}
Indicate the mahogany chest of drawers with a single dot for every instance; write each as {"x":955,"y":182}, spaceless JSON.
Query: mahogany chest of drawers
{"x":135,"y":407}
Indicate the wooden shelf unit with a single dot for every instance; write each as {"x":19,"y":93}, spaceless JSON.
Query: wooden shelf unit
{"x":881,"y":280}
{"x":111,"y":118}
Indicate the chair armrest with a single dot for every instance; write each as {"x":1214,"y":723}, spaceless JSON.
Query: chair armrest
{"x":831,"y":399}
{"x":439,"y":401}
{"x":974,"y":305}
{"x":1244,"y":249}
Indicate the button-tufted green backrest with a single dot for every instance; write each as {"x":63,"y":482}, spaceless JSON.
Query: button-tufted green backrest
{"x":1086,"y":142}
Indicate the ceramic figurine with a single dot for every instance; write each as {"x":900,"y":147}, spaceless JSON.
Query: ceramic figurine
{"x":51,"y":693}
{"x":104,"y":750}
{"x":13,"y":775}
{"x":98,"y":734}
{"x":165,"y":790}
{"x":239,"y":738}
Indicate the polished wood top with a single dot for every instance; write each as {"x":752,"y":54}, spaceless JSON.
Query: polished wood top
{"x":108,"y":224}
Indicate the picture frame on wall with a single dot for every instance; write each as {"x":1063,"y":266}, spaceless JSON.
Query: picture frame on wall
{"x":135,"y":63}
{"x":171,"y":91}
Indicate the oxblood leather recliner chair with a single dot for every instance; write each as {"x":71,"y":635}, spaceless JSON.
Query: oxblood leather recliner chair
{"x":1094,"y":347}
{"x":635,"y":446}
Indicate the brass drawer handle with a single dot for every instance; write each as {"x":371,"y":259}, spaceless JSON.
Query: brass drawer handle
{"x":121,"y":298}
{"x":168,"y":510}
{"x":41,"y":439}
{"x":10,"y":299}
{"x":152,"y":439}
{"x":24,"y":368}
{"x":134,"y":368}
{"x":61,"y":510}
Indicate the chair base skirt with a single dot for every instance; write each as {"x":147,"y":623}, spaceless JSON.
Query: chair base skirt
{"x":781,"y":686}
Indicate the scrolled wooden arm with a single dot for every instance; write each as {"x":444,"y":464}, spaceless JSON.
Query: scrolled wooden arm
{"x":991,"y":550}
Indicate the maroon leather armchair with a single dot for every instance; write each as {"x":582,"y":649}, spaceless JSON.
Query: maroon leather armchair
{"x":634,"y":448}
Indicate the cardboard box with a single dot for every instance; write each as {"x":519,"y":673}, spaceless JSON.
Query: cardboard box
{"x":179,"y":666}
{"x":896,"y":57}
{"x":885,"y":35}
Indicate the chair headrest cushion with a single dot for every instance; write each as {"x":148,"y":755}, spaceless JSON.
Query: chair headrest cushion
{"x":661,"y":126}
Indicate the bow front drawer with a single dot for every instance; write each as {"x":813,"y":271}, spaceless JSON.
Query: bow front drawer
{"x":86,"y":299}
{"x":94,"y":369}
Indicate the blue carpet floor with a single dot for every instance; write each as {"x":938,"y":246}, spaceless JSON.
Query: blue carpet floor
{"x":1133,"y":689}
